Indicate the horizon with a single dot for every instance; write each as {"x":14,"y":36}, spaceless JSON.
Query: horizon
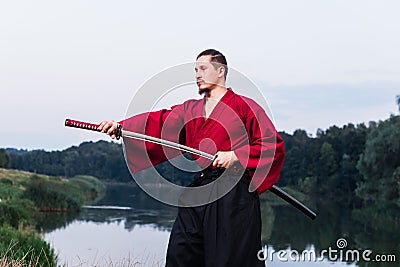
{"x":109,"y":140}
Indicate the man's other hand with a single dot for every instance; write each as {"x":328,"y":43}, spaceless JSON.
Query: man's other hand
{"x":108,"y":127}
{"x":224,"y":159}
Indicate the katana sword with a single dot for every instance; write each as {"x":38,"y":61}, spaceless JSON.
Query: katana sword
{"x":119,"y":132}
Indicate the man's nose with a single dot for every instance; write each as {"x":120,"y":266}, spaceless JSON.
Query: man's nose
{"x":199,"y":74}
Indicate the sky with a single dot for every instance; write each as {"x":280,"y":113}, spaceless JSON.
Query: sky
{"x":318,"y":63}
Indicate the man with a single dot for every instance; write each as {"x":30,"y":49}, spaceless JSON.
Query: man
{"x":227,"y":231}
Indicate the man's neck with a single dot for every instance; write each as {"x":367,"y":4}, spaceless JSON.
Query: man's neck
{"x":216,"y":93}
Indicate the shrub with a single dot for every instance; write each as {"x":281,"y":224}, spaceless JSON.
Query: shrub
{"x":92,"y":189}
{"x":8,"y":190}
{"x":17,"y":212}
{"x":53,"y":196}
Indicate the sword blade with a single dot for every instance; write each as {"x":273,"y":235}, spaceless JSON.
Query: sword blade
{"x":166,"y":143}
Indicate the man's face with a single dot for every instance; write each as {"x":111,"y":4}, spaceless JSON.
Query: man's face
{"x":207,"y":77}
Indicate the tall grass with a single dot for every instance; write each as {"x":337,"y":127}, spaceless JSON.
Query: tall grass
{"x":21,"y":248}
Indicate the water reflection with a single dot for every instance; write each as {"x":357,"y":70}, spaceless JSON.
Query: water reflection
{"x":137,"y":208}
{"x":159,"y":219}
{"x":284,"y":228}
{"x":47,"y":222}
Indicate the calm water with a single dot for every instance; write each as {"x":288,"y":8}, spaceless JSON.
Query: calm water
{"x":128,"y":227}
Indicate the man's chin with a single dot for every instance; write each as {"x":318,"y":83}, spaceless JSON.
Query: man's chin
{"x":203,"y":90}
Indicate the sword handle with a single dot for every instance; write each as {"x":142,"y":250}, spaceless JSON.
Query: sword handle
{"x":90,"y":126}
{"x":82,"y":125}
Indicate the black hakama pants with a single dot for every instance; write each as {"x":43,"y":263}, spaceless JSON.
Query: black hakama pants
{"x":224,"y":233}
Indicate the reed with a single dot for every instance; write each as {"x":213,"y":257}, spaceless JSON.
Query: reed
{"x":28,"y":259}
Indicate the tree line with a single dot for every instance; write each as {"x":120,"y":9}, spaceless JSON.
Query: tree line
{"x":104,"y":160}
{"x":352,"y":162}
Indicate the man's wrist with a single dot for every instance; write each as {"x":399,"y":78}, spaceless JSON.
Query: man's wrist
{"x":234,"y":158}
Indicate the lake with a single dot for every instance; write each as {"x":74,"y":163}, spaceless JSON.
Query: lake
{"x":128,"y":228}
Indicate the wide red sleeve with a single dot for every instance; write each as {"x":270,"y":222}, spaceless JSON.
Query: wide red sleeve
{"x":166,"y":124}
{"x":264,"y":154}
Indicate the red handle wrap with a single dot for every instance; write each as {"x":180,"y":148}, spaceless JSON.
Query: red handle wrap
{"x":82,"y":125}
{"x":91,"y":126}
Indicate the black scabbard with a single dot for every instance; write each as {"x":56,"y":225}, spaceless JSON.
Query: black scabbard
{"x":303,"y":208}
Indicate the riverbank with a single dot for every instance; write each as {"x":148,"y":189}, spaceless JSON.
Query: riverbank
{"x":25,"y":198}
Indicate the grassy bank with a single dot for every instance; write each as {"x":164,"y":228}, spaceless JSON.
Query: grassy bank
{"x":24,"y":198}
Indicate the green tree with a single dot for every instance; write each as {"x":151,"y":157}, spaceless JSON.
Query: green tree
{"x":4,"y":159}
{"x":328,"y":179}
{"x":380,"y":163}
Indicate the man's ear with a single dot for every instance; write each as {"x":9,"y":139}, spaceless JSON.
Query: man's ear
{"x":221,"y":71}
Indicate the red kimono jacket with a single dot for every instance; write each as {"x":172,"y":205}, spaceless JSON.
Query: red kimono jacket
{"x":237,"y":124}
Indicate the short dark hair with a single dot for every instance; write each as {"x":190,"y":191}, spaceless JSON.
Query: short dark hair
{"x":216,"y":57}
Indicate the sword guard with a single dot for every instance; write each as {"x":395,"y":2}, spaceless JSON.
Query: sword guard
{"x":118,"y":132}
